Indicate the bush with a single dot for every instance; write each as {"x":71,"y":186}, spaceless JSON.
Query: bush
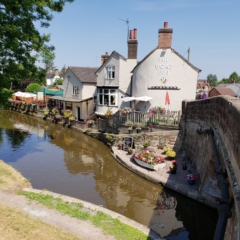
{"x":33,"y":87}
{"x":5,"y":94}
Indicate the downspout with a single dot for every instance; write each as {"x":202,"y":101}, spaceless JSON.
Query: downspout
{"x":225,"y":204}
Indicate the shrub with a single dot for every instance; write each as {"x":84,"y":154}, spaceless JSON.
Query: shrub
{"x":33,"y":87}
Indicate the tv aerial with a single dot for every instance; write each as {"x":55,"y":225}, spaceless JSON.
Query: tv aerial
{"x":127,"y":22}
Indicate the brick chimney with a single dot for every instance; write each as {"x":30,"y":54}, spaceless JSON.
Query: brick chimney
{"x":132,"y":44}
{"x":104,"y":58}
{"x":56,"y":72}
{"x":165,"y":36}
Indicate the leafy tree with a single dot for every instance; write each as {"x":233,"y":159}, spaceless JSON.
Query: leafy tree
{"x":58,"y":81}
{"x":212,"y":80}
{"x":234,"y":77}
{"x":20,"y":41}
{"x":224,"y":81}
{"x":33,"y":87}
{"x":5,"y":94}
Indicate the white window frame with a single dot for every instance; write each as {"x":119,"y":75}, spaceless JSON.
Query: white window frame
{"x":75,"y":90}
{"x":110,"y":72}
{"x":111,"y":92}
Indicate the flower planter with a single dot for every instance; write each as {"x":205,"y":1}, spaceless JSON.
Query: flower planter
{"x":191,"y":181}
{"x":146,"y":165}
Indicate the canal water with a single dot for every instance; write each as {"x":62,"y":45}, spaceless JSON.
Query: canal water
{"x":68,"y":162}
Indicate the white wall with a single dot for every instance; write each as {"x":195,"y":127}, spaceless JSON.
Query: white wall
{"x":101,"y":75}
{"x":177,"y":73}
{"x":68,"y":84}
{"x":88,"y":89}
{"x":122,"y":80}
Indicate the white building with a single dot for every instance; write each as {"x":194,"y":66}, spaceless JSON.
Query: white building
{"x":51,"y":77}
{"x":79,"y":84}
{"x":114,"y":78}
{"x":164,"y":70}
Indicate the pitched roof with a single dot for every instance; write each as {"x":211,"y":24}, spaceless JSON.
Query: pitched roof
{"x":225,"y":91}
{"x":85,"y":74}
{"x":184,"y":59}
{"x":113,"y":52}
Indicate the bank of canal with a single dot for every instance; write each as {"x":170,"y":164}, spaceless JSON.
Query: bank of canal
{"x":68,"y":162}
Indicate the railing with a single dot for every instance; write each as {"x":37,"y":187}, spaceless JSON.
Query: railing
{"x":141,"y":118}
{"x":102,"y":124}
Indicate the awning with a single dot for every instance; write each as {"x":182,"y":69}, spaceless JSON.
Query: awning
{"x":128,"y":99}
{"x":143,"y":98}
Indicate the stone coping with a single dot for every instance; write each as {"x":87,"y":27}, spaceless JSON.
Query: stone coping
{"x":94,"y":207}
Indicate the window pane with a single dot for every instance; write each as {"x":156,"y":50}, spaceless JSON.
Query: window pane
{"x":113,"y":91}
{"x":106,"y":90}
{"x":106,"y":99}
{"x":101,"y":99}
{"x":113,"y":100}
{"x":113,"y":74}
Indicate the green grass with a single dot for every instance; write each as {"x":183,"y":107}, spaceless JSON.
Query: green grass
{"x":109,"y":225}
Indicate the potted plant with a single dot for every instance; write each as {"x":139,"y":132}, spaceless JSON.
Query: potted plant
{"x":191,"y":178}
{"x":161,"y":110}
{"x":58,"y":118}
{"x":129,"y":150}
{"x":130,"y":130}
{"x":126,"y":110}
{"x":120,"y":146}
{"x":151,"y":127}
{"x":138,"y":129}
{"x":67,"y":113}
{"x":165,"y":149}
{"x":171,"y":154}
{"x":146,"y":144}
{"x":148,"y":159}
{"x":173,"y":167}
{"x":108,"y":113}
{"x":90,"y":123}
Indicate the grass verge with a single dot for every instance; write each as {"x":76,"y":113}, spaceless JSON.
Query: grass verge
{"x":15,"y":224}
{"x":10,"y":179}
{"x":109,"y":225}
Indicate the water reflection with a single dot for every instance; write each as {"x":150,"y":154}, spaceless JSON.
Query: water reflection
{"x":68,"y":162}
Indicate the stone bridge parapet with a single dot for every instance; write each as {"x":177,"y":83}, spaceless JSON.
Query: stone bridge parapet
{"x":222,"y":115}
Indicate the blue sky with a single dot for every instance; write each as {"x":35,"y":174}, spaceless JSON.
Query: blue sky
{"x":86,"y":29}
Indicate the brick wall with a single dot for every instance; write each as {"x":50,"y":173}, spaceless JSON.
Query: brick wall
{"x":222,"y":114}
{"x":213,"y":93}
{"x":132,"y":48}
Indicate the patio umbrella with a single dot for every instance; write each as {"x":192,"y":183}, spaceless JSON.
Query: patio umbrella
{"x":143,"y":98}
{"x":167,"y":99}
{"x":128,"y":99}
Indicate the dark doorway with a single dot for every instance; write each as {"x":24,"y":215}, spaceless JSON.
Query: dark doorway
{"x":78,"y":113}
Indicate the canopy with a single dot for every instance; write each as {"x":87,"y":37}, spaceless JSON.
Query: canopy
{"x":143,"y":98}
{"x":128,"y":99}
{"x":25,"y":94}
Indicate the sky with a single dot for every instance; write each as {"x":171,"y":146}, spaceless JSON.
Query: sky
{"x":86,"y":29}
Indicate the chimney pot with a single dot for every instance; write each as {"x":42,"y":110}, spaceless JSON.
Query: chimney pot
{"x":134,"y":33}
{"x":165,"y":24}
{"x":130,"y":37}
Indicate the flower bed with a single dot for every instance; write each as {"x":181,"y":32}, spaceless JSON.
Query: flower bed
{"x":148,"y":159}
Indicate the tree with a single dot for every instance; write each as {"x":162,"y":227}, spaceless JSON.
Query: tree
{"x":58,"y":81}
{"x":224,"y":81}
{"x":234,"y":77}
{"x":33,"y":87}
{"x":63,"y":70}
{"x":20,"y":41}
{"x":212,"y":80}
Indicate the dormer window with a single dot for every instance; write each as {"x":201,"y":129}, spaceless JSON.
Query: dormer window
{"x":110,"y":72}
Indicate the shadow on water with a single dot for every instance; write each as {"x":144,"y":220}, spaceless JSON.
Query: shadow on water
{"x":71,"y":163}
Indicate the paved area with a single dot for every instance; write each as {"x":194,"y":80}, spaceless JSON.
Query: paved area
{"x":176,"y":182}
